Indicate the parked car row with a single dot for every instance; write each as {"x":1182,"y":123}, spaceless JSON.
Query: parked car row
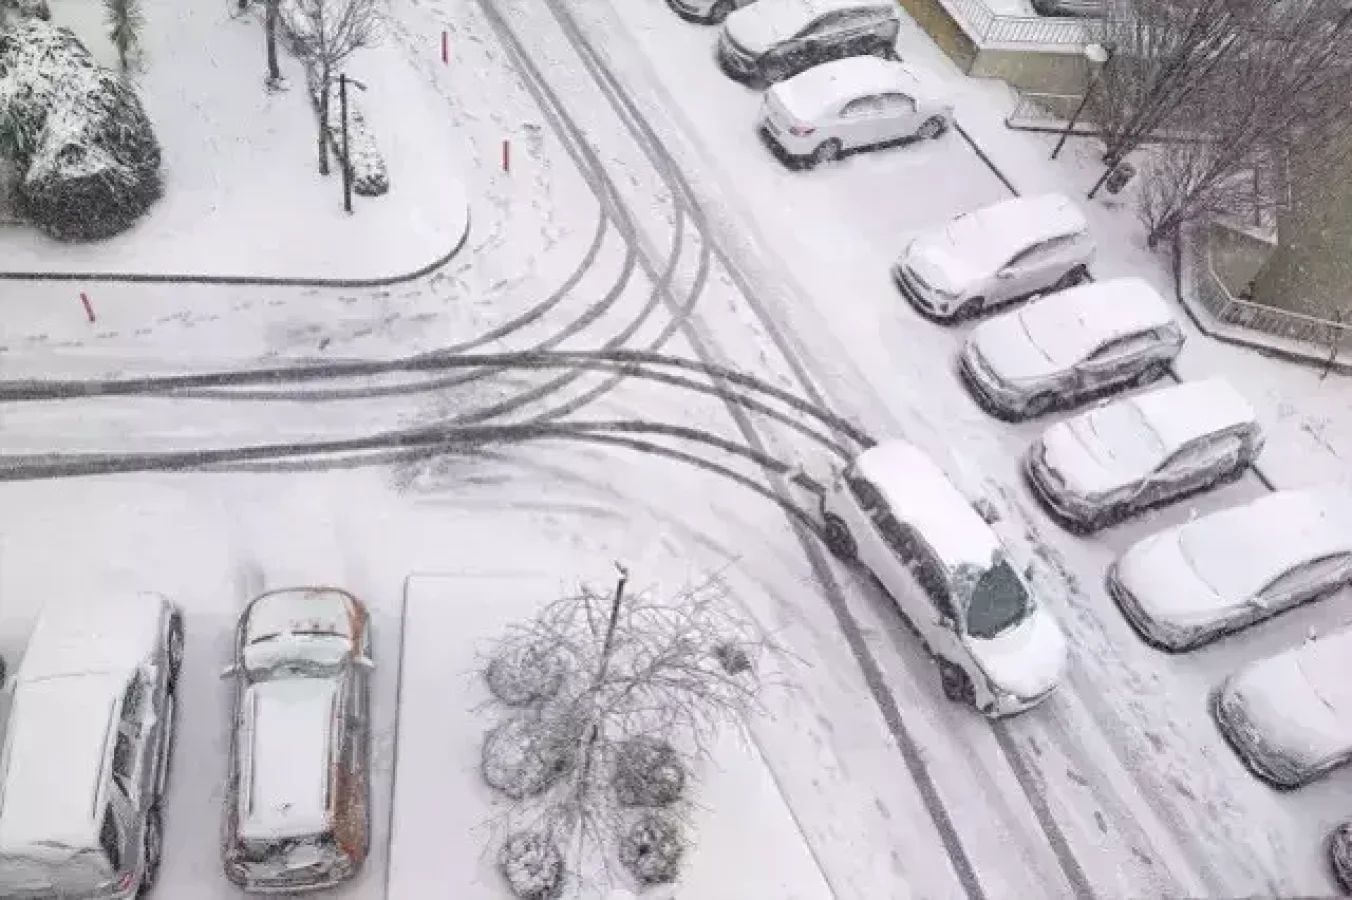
{"x":87,"y":749}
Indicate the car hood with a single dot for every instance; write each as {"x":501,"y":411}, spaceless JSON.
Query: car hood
{"x":1167,"y":590}
{"x":1278,"y":702}
{"x":938,"y":262}
{"x":1027,"y":660}
{"x":1079,"y":457}
{"x":762,"y":25}
{"x":1009,"y":352}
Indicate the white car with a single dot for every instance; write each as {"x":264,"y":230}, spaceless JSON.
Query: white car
{"x":706,"y":12}
{"x":852,"y":104}
{"x":896,"y":512}
{"x":770,"y":40}
{"x":994,"y":255}
{"x":1289,"y":717}
{"x":1131,"y":454}
{"x":1070,"y":346}
{"x":1190,"y":584}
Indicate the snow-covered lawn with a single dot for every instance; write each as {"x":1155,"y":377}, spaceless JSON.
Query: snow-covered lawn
{"x":242,"y":195}
{"x":746,"y":842}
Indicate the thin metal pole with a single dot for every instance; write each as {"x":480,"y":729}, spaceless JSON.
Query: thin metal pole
{"x":347,"y":164}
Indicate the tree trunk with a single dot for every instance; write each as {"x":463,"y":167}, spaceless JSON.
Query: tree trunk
{"x":270,"y":30}
{"x":324,"y":122}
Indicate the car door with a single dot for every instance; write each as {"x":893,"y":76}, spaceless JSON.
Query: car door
{"x":1115,"y":361}
{"x":1194,"y":466}
{"x":898,"y":116}
{"x":1023,"y":274}
{"x":808,"y":47}
{"x":857,"y":124}
{"x":939,"y":621}
{"x":136,"y":752}
{"x":351,"y":828}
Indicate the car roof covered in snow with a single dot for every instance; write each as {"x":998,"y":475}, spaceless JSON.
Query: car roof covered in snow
{"x":1182,"y":412}
{"x":1000,"y":230}
{"x":287,"y":736}
{"x":1246,"y":546}
{"x":55,"y":763}
{"x":101,"y":633}
{"x":921,"y":494}
{"x":1111,"y":307}
{"x":818,"y":89}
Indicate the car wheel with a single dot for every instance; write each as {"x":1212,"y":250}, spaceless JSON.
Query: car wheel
{"x":971,"y":309}
{"x":956,"y":683}
{"x":884,"y":51}
{"x":827,"y":151}
{"x":838,"y":539}
{"x":152,"y":850}
{"x":1038,"y":405}
{"x":174,"y":648}
{"x":1150,"y":374}
{"x":720,"y":11}
{"x":932,"y":128}
{"x":1097,"y":521}
{"x":775,"y":70}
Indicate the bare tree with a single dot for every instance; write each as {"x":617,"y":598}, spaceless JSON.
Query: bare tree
{"x":326,"y":33}
{"x":270,"y":16}
{"x":624,"y":676}
{"x":1282,"y":93}
{"x":125,"y":20}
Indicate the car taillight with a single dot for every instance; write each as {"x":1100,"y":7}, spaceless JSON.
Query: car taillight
{"x":125,"y":882}
{"x":801,"y":130}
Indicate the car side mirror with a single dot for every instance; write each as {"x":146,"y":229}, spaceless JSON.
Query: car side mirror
{"x":230,"y":671}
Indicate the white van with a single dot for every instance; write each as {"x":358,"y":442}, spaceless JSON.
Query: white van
{"x":86,"y":751}
{"x":896,"y":512}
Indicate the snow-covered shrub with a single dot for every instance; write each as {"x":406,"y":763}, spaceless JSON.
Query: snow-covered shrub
{"x":532,"y":865}
{"x":525,"y":755}
{"x":79,"y":135}
{"x":28,"y":9}
{"x":369,"y":176}
{"x":648,"y":772}
{"x":524,"y":674}
{"x":652,"y":849}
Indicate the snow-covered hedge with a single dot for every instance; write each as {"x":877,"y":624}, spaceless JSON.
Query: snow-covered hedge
{"x":36,"y":9}
{"x":652,"y":849}
{"x":532,"y":865}
{"x":648,"y":772}
{"x":89,"y":159}
{"x":525,"y":674}
{"x":525,"y":755}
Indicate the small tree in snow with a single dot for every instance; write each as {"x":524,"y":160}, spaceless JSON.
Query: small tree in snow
{"x":327,"y":33}
{"x":613,"y":696}
{"x":270,"y":17}
{"x":125,"y":20}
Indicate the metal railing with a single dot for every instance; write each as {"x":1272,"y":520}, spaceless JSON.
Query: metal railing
{"x":1226,"y":307}
{"x":989,"y":27}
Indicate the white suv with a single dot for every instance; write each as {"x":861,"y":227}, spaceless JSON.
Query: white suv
{"x":895,"y":511}
{"x":86,"y":753}
{"x":997,"y":254}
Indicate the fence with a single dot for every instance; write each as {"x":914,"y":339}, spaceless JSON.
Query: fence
{"x":1225,"y":307}
{"x":989,"y":27}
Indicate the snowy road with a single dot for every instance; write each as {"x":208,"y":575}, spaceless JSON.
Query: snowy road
{"x":1119,"y":787}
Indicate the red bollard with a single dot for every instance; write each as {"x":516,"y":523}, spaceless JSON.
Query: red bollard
{"x":506,"y":155}
{"x":445,"y":47}
{"x":89,"y":310}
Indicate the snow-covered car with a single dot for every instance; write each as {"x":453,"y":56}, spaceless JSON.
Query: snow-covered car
{"x":994,"y":255}
{"x":852,"y":104}
{"x":1134,"y":453}
{"x":1340,"y":855}
{"x":1070,"y":346}
{"x":1289,"y":717}
{"x":296,"y":810}
{"x":1070,"y":9}
{"x":1190,"y":584}
{"x":896,"y":512}
{"x":771,"y":40}
{"x":706,"y":12}
{"x":87,"y":750}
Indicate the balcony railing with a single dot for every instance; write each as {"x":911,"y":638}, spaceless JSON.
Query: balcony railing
{"x":989,"y":27}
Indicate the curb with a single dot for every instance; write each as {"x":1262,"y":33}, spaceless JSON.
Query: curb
{"x":245,"y":280}
{"x":1184,"y":297}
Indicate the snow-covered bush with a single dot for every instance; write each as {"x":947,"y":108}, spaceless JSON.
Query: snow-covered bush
{"x":89,"y":159}
{"x":28,"y":9}
{"x":525,"y":755}
{"x":526,"y":673}
{"x":532,"y":865}
{"x":652,"y":849}
{"x":648,"y":772}
{"x":369,"y":176}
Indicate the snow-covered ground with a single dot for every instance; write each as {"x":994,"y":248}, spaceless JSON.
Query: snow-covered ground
{"x":1121,"y":775}
{"x":232,"y":151}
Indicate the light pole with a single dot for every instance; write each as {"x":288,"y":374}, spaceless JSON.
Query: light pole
{"x":1098,"y":56}
{"x":343,"y":82}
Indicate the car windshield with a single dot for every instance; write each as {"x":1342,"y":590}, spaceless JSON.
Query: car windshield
{"x":1124,"y":436}
{"x":317,"y":651}
{"x":1233,"y":562}
{"x":998,"y":601}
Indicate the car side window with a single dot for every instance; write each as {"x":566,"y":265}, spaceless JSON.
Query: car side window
{"x":823,"y":25}
{"x":860,"y":107}
{"x":897,"y":104}
{"x":1203,"y":453}
{"x":131,"y":703}
{"x":1124,"y":347}
{"x":1303,"y":578}
{"x":108,"y":840}
{"x":930,"y":573}
{"x":1026,"y":257}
